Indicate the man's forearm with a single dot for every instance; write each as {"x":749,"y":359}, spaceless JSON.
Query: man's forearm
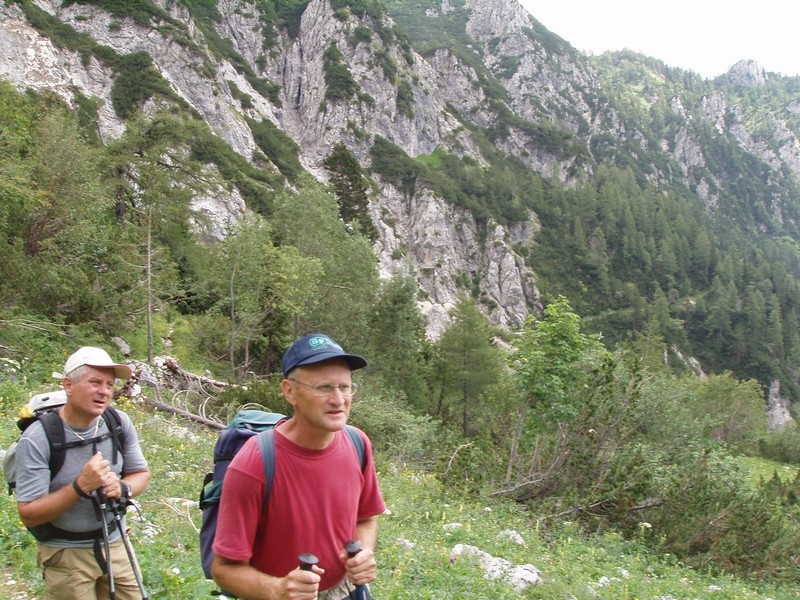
{"x":49,"y":507}
{"x":367,"y":532}
{"x":245,"y":581}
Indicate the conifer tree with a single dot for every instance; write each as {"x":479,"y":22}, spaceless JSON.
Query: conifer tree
{"x":470,"y":361}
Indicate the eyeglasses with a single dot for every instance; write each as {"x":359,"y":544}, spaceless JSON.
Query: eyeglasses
{"x":326,"y":389}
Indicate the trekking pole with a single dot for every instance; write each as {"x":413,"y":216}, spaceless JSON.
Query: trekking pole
{"x":307,"y":561}
{"x":101,"y":505}
{"x":352,"y":548}
{"x":127,"y":543}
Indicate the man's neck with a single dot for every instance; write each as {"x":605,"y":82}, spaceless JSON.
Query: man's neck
{"x":76,"y":419}
{"x":307,"y":437}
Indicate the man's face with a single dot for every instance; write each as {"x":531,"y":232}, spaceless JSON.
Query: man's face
{"x":91,"y":394}
{"x":323,"y":411}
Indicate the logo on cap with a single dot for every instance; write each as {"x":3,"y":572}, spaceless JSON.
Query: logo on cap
{"x":322,"y":342}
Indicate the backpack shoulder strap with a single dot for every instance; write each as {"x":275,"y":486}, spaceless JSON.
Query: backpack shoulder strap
{"x":114,"y":423}
{"x":266,"y":443}
{"x":54,"y":431}
{"x":358,"y":442}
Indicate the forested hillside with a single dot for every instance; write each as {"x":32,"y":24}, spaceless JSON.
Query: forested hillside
{"x":575,"y":278}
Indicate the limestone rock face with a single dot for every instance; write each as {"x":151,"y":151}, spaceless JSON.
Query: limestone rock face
{"x":442,"y":244}
{"x":778,"y":415}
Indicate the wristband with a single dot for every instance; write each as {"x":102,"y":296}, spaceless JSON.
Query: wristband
{"x":78,"y":490}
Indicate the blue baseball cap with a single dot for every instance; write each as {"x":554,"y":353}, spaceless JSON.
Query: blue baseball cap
{"x":315,"y":348}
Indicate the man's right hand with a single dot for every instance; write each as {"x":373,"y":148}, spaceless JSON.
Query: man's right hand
{"x":301,"y":584}
{"x":95,"y":474}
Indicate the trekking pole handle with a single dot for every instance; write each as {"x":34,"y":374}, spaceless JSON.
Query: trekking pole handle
{"x":307,"y":560}
{"x":352,"y":547}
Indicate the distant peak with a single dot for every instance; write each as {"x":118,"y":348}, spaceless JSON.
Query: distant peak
{"x":747,"y":72}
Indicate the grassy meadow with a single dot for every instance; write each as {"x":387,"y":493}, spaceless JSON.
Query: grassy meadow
{"x":423,"y":524}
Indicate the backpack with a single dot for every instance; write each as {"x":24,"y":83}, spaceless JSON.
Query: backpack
{"x":44,"y":407}
{"x":244,"y":425}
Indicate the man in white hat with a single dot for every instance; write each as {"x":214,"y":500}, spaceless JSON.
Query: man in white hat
{"x":63,"y":509}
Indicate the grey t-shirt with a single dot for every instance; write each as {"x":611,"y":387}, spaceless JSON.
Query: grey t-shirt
{"x":33,"y":473}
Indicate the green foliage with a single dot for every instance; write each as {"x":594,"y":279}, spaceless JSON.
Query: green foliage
{"x":245,"y":100}
{"x":759,"y":534}
{"x":338,"y":79}
{"x":404,"y":437}
{"x":87,"y":116}
{"x":256,"y":185}
{"x":405,"y":99}
{"x":426,"y":34}
{"x":265,"y":395}
{"x":143,"y":12}
{"x":554,"y":44}
{"x":398,"y":344}
{"x":348,"y":282}
{"x":548,"y":366}
{"x":279,"y":147}
{"x":259,"y":289}
{"x":394,"y":165}
{"x":361,"y":35}
{"x":289,"y":12}
{"x":491,"y":191}
{"x":352,"y":189}
{"x":470,"y":367}
{"x":731,"y":411}
{"x":59,"y":236}
{"x":93,"y":237}
{"x":223,"y":48}
{"x":62,"y":35}
{"x":715,"y":526}
{"x":361,"y":8}
{"x":137,"y":80}
{"x":782,"y":446}
{"x":496,"y":191}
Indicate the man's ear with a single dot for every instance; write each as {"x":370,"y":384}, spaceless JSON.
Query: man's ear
{"x":288,"y":391}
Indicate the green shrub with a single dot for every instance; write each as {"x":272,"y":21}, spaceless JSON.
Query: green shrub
{"x":405,"y":99}
{"x":399,"y":436}
{"x":340,"y":83}
{"x":760,"y":534}
{"x":264,"y":395}
{"x":282,"y":150}
{"x":136,"y":81}
{"x":361,"y":34}
{"x":394,"y":165}
{"x":781,"y":446}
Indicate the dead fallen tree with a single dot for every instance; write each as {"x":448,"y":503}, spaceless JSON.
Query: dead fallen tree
{"x":192,"y":378}
{"x":158,"y":405}
{"x":167,"y":375}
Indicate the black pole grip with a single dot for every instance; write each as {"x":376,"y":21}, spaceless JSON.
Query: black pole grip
{"x":352,"y":547}
{"x":307,"y":561}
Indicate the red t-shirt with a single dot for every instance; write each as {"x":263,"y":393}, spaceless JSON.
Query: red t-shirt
{"x":317,"y":498}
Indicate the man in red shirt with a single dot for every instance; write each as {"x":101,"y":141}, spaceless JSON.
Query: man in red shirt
{"x":320,"y":497}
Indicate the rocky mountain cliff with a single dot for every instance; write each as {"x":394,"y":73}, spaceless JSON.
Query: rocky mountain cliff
{"x":496,"y":74}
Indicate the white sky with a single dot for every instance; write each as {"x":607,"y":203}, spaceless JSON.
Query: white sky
{"x":706,"y":36}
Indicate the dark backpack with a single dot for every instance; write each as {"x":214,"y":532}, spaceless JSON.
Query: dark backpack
{"x":45,"y":409}
{"x":241,"y":428}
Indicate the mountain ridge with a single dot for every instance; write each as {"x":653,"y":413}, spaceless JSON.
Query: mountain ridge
{"x":481,"y":81}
